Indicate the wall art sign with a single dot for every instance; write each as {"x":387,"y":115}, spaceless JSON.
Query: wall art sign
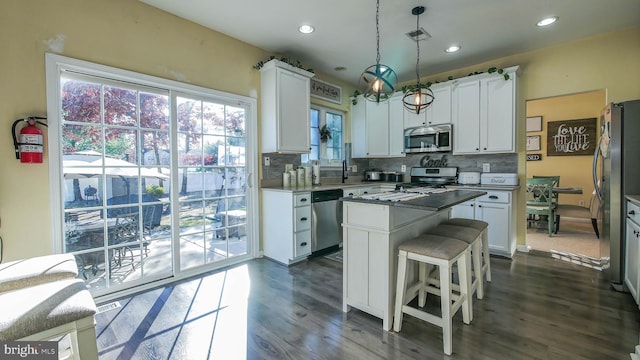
{"x":533,"y":143}
{"x":534,"y":123}
{"x":534,"y":157}
{"x":571,"y":137}
{"x":325,"y":91}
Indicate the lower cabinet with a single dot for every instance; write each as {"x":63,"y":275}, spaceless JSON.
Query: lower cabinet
{"x":496,"y":208}
{"x":632,"y":250}
{"x":286,"y":225}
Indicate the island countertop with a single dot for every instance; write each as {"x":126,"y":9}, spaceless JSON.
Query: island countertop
{"x":430,"y":202}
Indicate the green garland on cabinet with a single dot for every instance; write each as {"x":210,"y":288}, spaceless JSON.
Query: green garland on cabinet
{"x":428,"y":84}
{"x":294,"y":63}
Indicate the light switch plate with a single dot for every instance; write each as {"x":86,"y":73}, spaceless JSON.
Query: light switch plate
{"x":486,"y":167}
{"x":354,"y":168}
{"x":403,"y":168}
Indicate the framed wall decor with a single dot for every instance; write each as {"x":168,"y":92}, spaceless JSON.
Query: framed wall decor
{"x":534,"y":123}
{"x":325,"y":91}
{"x":533,"y":143}
{"x":572,"y":137}
{"x":534,"y":157}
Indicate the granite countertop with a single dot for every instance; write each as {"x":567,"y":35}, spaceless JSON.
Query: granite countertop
{"x":485,"y":187}
{"x":634,"y":199}
{"x":328,"y":186}
{"x":432,"y":202}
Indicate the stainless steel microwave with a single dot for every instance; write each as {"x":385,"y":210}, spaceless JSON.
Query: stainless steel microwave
{"x":436,"y":138}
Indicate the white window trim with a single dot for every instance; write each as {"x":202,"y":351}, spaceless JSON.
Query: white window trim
{"x":55,"y":64}
{"x":323,"y":110}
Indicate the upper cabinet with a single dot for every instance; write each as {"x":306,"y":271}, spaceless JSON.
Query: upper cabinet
{"x":439,"y":112}
{"x":484,"y":114}
{"x":377,"y":128}
{"x":285,"y":105}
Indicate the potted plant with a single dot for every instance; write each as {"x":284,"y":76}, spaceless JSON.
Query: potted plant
{"x":325,"y":133}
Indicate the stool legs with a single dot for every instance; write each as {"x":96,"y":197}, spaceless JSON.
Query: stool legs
{"x":477,"y":282}
{"x":486,"y":266}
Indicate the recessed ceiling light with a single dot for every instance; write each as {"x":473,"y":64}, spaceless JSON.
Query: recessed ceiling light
{"x":452,"y":48}
{"x":547,"y":21}
{"x":306,"y":29}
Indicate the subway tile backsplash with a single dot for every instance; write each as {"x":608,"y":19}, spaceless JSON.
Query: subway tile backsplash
{"x":500,"y":163}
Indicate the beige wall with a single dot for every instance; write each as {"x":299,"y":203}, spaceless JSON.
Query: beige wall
{"x":133,"y":36}
{"x":573,"y":170}
{"x":120,"y":33}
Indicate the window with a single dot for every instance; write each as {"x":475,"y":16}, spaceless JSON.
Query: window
{"x":152,"y":175}
{"x":326,"y":136}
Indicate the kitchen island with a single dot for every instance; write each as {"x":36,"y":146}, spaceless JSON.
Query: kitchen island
{"x":372,"y":231}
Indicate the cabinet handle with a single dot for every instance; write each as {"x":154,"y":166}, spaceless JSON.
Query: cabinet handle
{"x":485,"y":148}
{"x":479,"y":205}
{"x":493,"y":197}
{"x":632,"y":212}
{"x":303,"y":244}
{"x":365,"y":192}
{"x":477,"y":149}
{"x":303,"y":200}
{"x":303,"y":218}
{"x":350,"y":194}
{"x":472,"y":205}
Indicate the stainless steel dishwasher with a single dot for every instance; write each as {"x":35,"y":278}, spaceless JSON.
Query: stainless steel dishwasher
{"x":326,"y":220}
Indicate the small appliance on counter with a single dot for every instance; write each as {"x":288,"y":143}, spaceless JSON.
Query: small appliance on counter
{"x":469,"y":178}
{"x":373,"y":175}
{"x":392,"y":176}
{"x":506,"y":179}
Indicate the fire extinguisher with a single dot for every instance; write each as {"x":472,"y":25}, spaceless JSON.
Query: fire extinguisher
{"x":29,"y":148}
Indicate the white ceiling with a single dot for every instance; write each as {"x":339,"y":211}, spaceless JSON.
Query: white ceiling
{"x":345,"y":29}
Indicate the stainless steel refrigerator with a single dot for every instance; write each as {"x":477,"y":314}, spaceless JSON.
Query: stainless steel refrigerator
{"x":616,"y":173}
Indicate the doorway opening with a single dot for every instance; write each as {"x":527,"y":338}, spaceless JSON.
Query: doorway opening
{"x":574,"y":238}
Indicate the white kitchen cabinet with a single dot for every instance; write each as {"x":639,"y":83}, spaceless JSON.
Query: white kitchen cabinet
{"x":286,"y":225}
{"x":496,"y":208}
{"x":439,"y":112}
{"x":377,"y":128}
{"x":285,"y":106}
{"x":484,"y":114}
{"x":632,"y":250}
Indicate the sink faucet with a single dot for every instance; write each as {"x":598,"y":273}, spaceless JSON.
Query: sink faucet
{"x":345,"y":173}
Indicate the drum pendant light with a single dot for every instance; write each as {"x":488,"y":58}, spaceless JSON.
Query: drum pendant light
{"x":419,"y":96}
{"x":379,"y":80}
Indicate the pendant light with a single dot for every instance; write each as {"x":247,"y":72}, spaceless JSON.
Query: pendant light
{"x":380,"y":80}
{"x":418,"y":97}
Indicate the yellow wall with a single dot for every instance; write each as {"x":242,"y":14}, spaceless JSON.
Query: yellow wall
{"x":133,"y":36}
{"x":573,"y":170}
{"x":120,"y":33}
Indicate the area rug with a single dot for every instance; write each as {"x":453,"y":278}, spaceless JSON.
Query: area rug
{"x":336,"y":256}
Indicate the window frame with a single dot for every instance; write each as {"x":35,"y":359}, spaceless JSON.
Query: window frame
{"x":322,"y":118}
{"x":57,"y":64}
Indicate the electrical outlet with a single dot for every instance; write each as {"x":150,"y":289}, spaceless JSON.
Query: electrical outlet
{"x":581,"y":203}
{"x":403,"y":168}
{"x":486,"y":167}
{"x":267,"y":161}
{"x":354,"y":168}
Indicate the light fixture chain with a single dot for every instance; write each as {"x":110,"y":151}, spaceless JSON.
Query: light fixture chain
{"x":418,"y":48}
{"x":378,"y":32}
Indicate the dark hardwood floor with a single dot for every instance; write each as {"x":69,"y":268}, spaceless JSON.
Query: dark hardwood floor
{"x":535,"y":308}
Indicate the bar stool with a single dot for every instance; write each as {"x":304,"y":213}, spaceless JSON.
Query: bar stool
{"x":472,"y":237}
{"x":438,"y":251}
{"x":484,"y":228}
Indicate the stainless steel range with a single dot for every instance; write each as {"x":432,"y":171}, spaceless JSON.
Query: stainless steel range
{"x":429,"y":178}
{"x":424,"y":181}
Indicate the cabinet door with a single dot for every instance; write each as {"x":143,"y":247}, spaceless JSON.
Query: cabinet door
{"x":440,"y":110}
{"x":396,"y":126}
{"x":293,"y":110}
{"x":412,"y":119}
{"x":466,"y":210}
{"x":497,"y":118}
{"x":632,"y":256}
{"x":358,"y":128}
{"x":377,"y":128}
{"x":497,"y":216}
{"x":466,"y":118}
